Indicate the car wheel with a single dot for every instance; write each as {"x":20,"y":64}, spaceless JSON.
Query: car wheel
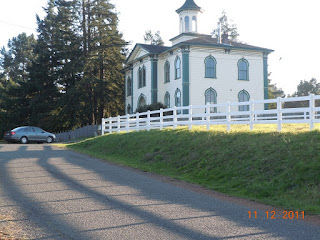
{"x":24,"y":140}
{"x":49,"y":139}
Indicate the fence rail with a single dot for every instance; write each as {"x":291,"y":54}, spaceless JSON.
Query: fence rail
{"x":206,"y":115}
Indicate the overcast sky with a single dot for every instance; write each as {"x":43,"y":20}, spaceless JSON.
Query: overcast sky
{"x":291,"y":28}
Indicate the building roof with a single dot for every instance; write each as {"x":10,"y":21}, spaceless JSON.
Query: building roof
{"x":154,"y":48}
{"x":201,"y":41}
{"x":207,"y":40}
{"x":189,"y":5}
{"x":151,"y":49}
{"x":192,"y":34}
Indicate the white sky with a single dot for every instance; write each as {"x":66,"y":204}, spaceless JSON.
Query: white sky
{"x":291,"y":28}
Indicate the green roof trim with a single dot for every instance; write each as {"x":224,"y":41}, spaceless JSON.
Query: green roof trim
{"x":189,"y":5}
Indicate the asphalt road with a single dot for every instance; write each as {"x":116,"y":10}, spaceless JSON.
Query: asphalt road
{"x":53,"y":193}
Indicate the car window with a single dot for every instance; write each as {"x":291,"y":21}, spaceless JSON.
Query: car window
{"x":38,"y":130}
{"x":28,"y":129}
{"x":17,"y":129}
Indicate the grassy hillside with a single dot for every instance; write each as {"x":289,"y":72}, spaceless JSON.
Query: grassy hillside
{"x":281,"y":169}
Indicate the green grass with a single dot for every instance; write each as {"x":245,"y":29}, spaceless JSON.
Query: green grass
{"x":280,"y":169}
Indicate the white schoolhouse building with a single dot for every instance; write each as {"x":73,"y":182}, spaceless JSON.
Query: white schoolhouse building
{"x":197,"y":69}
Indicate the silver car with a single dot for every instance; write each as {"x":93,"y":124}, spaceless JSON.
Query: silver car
{"x":29,"y":134}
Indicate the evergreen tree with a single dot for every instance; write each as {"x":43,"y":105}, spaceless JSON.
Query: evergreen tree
{"x":68,"y":77}
{"x":40,"y":92}
{"x":16,"y":61}
{"x":305,"y":88}
{"x":69,"y":65}
{"x":14,"y":74}
{"x":153,"y":39}
{"x":103,"y":58}
{"x":227,"y":27}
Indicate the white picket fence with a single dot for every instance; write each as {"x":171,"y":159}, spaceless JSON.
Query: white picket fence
{"x":206,"y":116}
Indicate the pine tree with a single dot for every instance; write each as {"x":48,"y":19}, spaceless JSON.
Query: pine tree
{"x":17,"y":59}
{"x":41,"y":92}
{"x":71,"y":73}
{"x":14,"y":74}
{"x":227,"y":27}
{"x":69,"y":65}
{"x":103,"y":53}
{"x":153,"y":39}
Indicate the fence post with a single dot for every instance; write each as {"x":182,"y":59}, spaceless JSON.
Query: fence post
{"x":118,"y":125}
{"x":190,"y":117}
{"x":228,"y":116}
{"x":127,"y":122}
{"x":102,"y":126}
{"x":279,"y":113}
{"x":174,"y":117}
{"x":137,"y":122}
{"x":251,"y":114}
{"x":208,"y":116}
{"x":161,"y":118}
{"x":148,"y":120}
{"x":311,"y":114}
{"x":110,"y":125}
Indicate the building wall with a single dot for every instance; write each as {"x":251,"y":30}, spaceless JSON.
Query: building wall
{"x":226,"y":83}
{"x":127,"y":98}
{"x":137,"y":92}
{"x":171,"y":86}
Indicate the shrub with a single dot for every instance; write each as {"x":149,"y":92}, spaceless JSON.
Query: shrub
{"x":151,"y":107}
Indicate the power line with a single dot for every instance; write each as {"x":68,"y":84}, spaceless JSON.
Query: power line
{"x":12,"y":24}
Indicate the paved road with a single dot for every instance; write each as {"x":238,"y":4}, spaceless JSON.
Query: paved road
{"x":58,"y":194}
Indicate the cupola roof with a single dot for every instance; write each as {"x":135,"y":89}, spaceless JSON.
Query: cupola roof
{"x":189,"y":5}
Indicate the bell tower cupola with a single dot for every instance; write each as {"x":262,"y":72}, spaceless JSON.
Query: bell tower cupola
{"x":188,"y":17}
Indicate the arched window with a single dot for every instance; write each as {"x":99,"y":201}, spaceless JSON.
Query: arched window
{"x":167,"y":100}
{"x":144,"y":81}
{"x":210,"y":65}
{"x":142,"y":101}
{"x":243,"y":69}
{"x":129,"y":87}
{"x":211,"y":98}
{"x":244,"y":96}
{"x":177,"y":66}
{"x":140,"y":78}
{"x":181,"y":25}
{"x":194,"y":24}
{"x":177,"y":99}
{"x":129,"y":111}
{"x":167,"y":72}
{"x":186,"y":20}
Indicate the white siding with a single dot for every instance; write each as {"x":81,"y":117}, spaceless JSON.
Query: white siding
{"x":146,"y":91}
{"x":171,"y":86}
{"x":226,"y":84}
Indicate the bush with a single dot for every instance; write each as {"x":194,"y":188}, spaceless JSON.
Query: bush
{"x":151,"y":107}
